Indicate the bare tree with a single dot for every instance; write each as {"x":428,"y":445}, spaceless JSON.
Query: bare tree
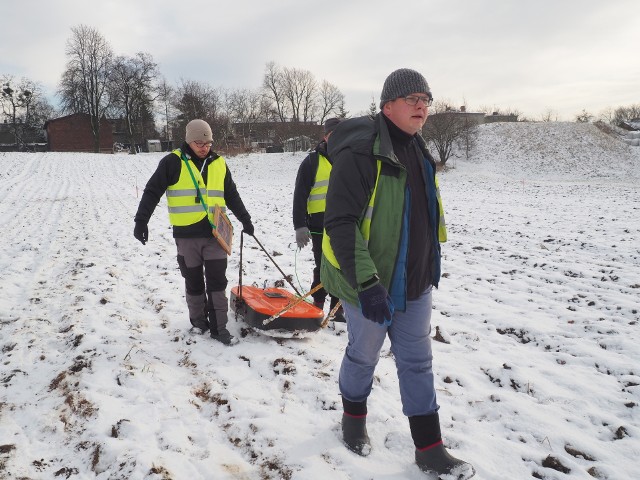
{"x":624,"y":114}
{"x":330,"y":101}
{"x":274,"y":90}
{"x":85,"y":82}
{"x":606,"y":115}
{"x":246,"y":107}
{"x":584,"y":117}
{"x":132,"y":90}
{"x":467,"y":139}
{"x":443,"y":128}
{"x":299,"y":90}
{"x":165,"y":94}
{"x":549,"y":115}
{"x":198,"y":100}
{"x":25,"y":107}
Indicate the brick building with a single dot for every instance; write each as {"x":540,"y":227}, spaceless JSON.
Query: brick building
{"x":72,"y":133}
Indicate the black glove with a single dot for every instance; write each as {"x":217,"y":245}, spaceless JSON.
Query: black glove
{"x":141,"y":232}
{"x":375,"y":302}
{"x":247,"y":227}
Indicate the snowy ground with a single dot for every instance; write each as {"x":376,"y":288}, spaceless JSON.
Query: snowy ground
{"x":538,"y":375}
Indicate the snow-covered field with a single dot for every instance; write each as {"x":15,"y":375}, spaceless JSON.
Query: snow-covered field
{"x":537,"y":367}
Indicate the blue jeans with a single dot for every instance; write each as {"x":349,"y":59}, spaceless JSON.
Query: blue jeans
{"x":410,"y":345}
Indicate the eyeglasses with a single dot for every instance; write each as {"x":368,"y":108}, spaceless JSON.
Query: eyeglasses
{"x":203,"y":144}
{"x":414,"y":99}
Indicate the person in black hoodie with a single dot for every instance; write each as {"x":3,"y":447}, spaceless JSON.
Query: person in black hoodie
{"x":308,"y":209}
{"x":202,"y":260}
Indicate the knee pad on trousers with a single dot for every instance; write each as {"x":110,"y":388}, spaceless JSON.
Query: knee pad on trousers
{"x":215,"y":271}
{"x":193,"y":279}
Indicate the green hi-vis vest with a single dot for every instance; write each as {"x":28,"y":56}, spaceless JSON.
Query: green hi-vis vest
{"x":182,"y":198}
{"x":318,"y":196}
{"x":365,"y":223}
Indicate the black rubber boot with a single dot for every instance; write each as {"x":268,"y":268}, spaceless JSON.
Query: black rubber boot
{"x":431,"y":456}
{"x":436,"y":460}
{"x":218,"y":306}
{"x":354,"y":427}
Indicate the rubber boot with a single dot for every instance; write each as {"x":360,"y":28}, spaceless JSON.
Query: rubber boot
{"x":431,"y":455}
{"x":354,"y":427}
{"x":436,"y":460}
{"x":197,"y":305}
{"x":218,"y":310}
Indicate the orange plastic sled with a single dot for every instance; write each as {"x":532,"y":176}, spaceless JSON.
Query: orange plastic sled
{"x":259,"y":304}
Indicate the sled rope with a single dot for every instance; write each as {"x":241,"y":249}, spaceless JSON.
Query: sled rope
{"x":277,"y":266}
{"x":238,"y":299}
{"x":292,"y":304}
{"x":331,"y":315}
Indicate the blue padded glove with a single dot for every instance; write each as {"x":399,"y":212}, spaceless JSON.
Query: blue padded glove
{"x":376,"y":304}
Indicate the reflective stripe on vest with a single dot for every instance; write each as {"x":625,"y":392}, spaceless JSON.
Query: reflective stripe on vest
{"x":365,"y":226}
{"x":182,"y":198}
{"x":442,"y":225}
{"x":317,"y":201}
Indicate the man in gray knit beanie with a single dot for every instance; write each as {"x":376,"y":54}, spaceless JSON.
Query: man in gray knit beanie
{"x":401,"y":83}
{"x":381,"y":256}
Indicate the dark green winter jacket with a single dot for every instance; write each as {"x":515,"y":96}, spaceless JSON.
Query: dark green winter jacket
{"x":356,"y":146}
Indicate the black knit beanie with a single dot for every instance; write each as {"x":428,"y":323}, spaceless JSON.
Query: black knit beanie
{"x":401,"y":83}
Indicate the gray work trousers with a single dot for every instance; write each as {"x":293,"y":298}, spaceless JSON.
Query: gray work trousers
{"x":203,"y":265}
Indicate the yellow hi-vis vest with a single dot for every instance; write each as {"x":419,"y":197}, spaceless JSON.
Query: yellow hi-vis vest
{"x":365,"y":226}
{"x":182,"y":198}
{"x":318,"y":196}
{"x":365,"y":223}
{"x":442,"y":225}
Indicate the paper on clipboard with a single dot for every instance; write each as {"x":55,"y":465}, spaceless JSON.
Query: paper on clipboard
{"x":223,"y":230}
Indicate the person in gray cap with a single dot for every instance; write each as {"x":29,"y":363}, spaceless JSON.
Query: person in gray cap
{"x":191,"y":215}
{"x":384,"y":222}
{"x":308,"y":209}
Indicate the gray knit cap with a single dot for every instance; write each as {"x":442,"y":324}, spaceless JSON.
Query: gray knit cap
{"x":331,"y":124}
{"x":198,"y":130}
{"x":401,"y":83}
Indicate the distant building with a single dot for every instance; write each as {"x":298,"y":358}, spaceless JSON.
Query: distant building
{"x":496,"y":117}
{"x":72,"y":133}
{"x":301,"y":143}
{"x":262,"y":135}
{"x":473,"y":118}
{"x":477,"y":118}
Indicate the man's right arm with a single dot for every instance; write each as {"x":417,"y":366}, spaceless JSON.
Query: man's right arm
{"x":167,"y":173}
{"x":301,"y":192}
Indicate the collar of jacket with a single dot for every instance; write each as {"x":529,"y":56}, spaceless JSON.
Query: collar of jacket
{"x":383,"y":147}
{"x":321,"y":148}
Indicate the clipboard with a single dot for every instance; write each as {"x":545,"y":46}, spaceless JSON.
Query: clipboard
{"x":222,"y":229}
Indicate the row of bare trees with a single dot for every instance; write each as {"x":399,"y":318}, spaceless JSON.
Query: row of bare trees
{"x":131,"y":88}
{"x":103,"y":85}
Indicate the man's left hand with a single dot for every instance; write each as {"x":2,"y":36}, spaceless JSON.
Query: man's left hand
{"x":247,"y":227}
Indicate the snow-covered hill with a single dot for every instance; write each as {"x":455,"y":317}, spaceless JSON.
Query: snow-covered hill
{"x":553,"y":151}
{"x":538,"y":308}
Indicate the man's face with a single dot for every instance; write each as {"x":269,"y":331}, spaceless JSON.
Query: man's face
{"x":408,"y":118}
{"x":201,"y":149}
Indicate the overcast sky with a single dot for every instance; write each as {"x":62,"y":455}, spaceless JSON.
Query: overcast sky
{"x":534,"y":56}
